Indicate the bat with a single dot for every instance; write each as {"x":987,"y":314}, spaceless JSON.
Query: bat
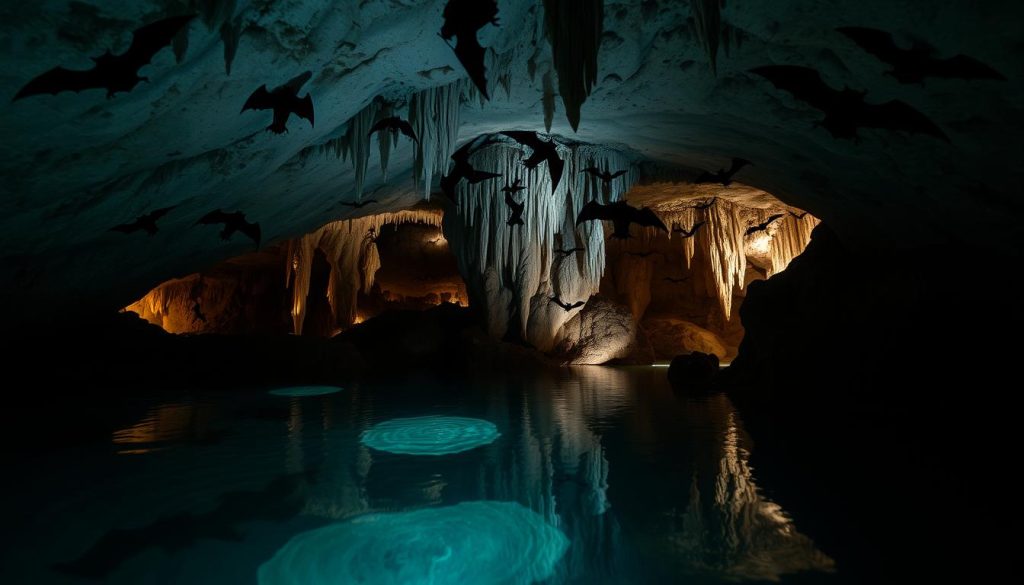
{"x":798,"y":215}
{"x":115,"y":73}
{"x":358,"y":204}
{"x":516,"y":208}
{"x":763,"y":225}
{"x":394,"y":124}
{"x":284,"y":100}
{"x":145,"y":222}
{"x":677,"y":280}
{"x":515,"y":187}
{"x":703,"y":206}
{"x":678,"y":229}
{"x":621,"y":214}
{"x":570,"y":251}
{"x":913,"y":65}
{"x":567,"y":306}
{"x":641,"y":254}
{"x":233,"y":222}
{"x":462,"y":20}
{"x":464,"y":170}
{"x":845,"y":110}
{"x":605,"y":176}
{"x":542,"y":151}
{"x":197,"y":311}
{"x":723,"y":176}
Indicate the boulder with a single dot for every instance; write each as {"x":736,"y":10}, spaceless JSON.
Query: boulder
{"x":693,"y":371}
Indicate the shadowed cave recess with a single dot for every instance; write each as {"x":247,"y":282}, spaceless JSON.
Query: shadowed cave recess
{"x":824,"y":195}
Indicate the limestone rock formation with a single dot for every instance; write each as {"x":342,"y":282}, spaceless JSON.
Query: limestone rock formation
{"x":601,"y":332}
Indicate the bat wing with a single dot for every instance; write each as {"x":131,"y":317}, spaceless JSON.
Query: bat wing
{"x":897,"y":115}
{"x":804,"y":83}
{"x":964,"y":67}
{"x":214,"y":217}
{"x":127,"y":228}
{"x":706,"y":177}
{"x":737,"y":164}
{"x":555,"y":167}
{"x":576,"y":304}
{"x":294,"y":84}
{"x":877,"y":42}
{"x":406,"y":128}
{"x":646,"y":217}
{"x":524,"y":137}
{"x":60,"y":79}
{"x":150,"y":39}
{"x":158,"y":213}
{"x":471,"y":55}
{"x":617,"y":174}
{"x":304,"y":108}
{"x":772,"y":218}
{"x":594,"y":210}
{"x":261,"y":99}
{"x":592,"y":171}
{"x":252,"y":230}
{"x":512,"y":202}
{"x":380,"y":125}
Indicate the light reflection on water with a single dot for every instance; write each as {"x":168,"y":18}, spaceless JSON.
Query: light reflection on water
{"x":647,"y":486}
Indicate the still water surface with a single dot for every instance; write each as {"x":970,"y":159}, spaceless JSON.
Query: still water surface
{"x":594,"y":475}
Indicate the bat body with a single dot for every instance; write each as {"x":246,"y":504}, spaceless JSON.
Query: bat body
{"x":845,"y":110}
{"x":913,"y":65}
{"x":543,"y":150}
{"x":515,"y":187}
{"x":145,"y":222}
{"x":284,"y":101}
{"x":462,"y":20}
{"x":678,"y":229}
{"x":115,"y":73}
{"x":640,"y":254}
{"x":566,"y":306}
{"x":358,"y":204}
{"x":233,"y":222}
{"x":621,"y":214}
{"x":723,"y":176}
{"x":605,"y":176}
{"x":677,"y":280}
{"x":798,"y":215}
{"x":515,"y":208}
{"x":462,"y":169}
{"x":394,"y":124}
{"x":569,"y":252}
{"x":763,"y":225}
{"x":703,"y":206}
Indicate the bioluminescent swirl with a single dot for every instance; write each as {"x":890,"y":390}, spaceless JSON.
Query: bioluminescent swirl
{"x":477,"y":543}
{"x":430,"y":435}
{"x":297,"y":391}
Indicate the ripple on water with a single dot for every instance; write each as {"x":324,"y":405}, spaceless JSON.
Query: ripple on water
{"x":430,"y":435}
{"x":297,"y":391}
{"x":482,"y":543}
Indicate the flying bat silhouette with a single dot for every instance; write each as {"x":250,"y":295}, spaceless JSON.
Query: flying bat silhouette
{"x":845,"y":110}
{"x":621,"y":214}
{"x":358,"y":204}
{"x":677,"y":280}
{"x":763,"y":225}
{"x":462,"y":20}
{"x":144,"y":222}
{"x":641,"y":254}
{"x":567,"y":306}
{"x":678,"y":229}
{"x":516,"y":208}
{"x":233,"y":222}
{"x":394,"y":124}
{"x":798,"y":215}
{"x":723,"y":176}
{"x":115,"y":73}
{"x":706,"y":205}
{"x":464,"y":170}
{"x":569,"y":252}
{"x":284,"y":100}
{"x":542,"y":151}
{"x":914,"y":64}
{"x":605,"y":176}
{"x":515,"y":187}
{"x":197,"y":311}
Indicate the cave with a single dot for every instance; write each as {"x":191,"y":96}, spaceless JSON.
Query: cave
{"x":511,"y":291}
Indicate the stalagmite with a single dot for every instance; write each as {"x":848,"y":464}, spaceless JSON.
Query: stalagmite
{"x":574,"y":31}
{"x":494,"y":257}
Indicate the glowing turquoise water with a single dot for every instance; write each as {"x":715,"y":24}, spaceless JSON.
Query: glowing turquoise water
{"x":472,"y":543}
{"x":299,"y":391}
{"x":430,"y":435}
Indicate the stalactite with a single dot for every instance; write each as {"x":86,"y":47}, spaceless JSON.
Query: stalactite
{"x":385,"y":140}
{"x":230,"y":34}
{"x":574,"y":31}
{"x":548,"y":99}
{"x":684,"y":218}
{"x":434,"y":116}
{"x":355,"y":143}
{"x":353,"y":257}
{"x":495,"y":257}
{"x":707,"y":16}
{"x":792,"y":234}
{"x":721,"y":241}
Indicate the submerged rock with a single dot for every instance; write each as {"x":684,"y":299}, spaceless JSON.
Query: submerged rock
{"x":692,"y":371}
